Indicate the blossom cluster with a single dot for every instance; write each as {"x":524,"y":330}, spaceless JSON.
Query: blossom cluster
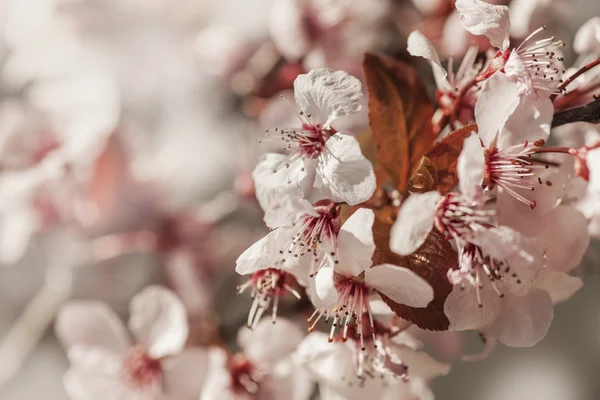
{"x":385,"y":213}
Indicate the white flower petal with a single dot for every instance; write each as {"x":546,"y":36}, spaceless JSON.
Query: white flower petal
{"x":481,"y":18}
{"x":355,"y":245}
{"x":419,"y":46}
{"x":91,"y":324}
{"x":560,"y":286}
{"x":530,"y":121}
{"x":498,"y":99}
{"x":287,"y":211}
{"x":400,"y":284}
{"x":524,"y":320}
{"x":271,"y":186}
{"x":265,"y":253}
{"x":185,"y":374}
{"x":17,"y":225}
{"x":516,"y":69}
{"x":87,"y":384}
{"x":327,"y":95}
{"x":471,"y":168}
{"x":343,"y":173}
{"x":288,"y":29}
{"x":587,"y":38}
{"x":159,"y":321}
{"x":268,"y":343}
{"x":321,"y":290}
{"x":414,"y":222}
{"x":463,"y":310}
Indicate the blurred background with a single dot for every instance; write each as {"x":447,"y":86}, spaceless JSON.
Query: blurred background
{"x":128,"y":134}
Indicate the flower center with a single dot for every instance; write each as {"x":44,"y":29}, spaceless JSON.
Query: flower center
{"x":243,"y":375}
{"x":351,"y":307}
{"x":316,"y":236}
{"x":141,"y":370}
{"x":457,"y":218}
{"x":267,"y":285}
{"x":476,"y":265}
{"x":513,"y":170}
{"x":544,"y":66}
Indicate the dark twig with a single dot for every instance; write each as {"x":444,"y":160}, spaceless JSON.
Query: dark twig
{"x":581,"y":71}
{"x":587,"y":113}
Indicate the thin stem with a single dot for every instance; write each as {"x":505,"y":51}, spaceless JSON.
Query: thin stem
{"x":565,"y":150}
{"x":461,"y":94}
{"x":581,"y":71}
{"x":33,"y":322}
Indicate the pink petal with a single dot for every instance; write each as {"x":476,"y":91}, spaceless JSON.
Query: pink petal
{"x":327,"y":95}
{"x":420,"y":364}
{"x":414,"y":222}
{"x":524,"y":255}
{"x":481,"y":18}
{"x":567,"y":238}
{"x":343,"y":172}
{"x":524,"y":320}
{"x":498,"y":99}
{"x":560,"y":286}
{"x":355,"y":245}
{"x":159,"y":321}
{"x":91,"y":324}
{"x":463,"y":311}
{"x":400,"y":284}
{"x":471,"y":168}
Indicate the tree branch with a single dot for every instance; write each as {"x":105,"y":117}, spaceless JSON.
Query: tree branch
{"x":587,"y":113}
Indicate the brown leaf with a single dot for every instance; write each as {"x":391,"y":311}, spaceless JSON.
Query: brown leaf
{"x":444,"y":157}
{"x":400,"y":116}
{"x":424,"y":179}
{"x":432,"y":262}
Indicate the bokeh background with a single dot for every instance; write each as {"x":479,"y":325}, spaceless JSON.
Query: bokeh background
{"x":163,"y":102}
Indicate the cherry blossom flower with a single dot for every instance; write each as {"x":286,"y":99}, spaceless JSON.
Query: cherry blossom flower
{"x":395,"y":367}
{"x":304,"y":239}
{"x":262,"y":370}
{"x":511,"y":129}
{"x":449,"y":84}
{"x":318,"y":161}
{"x":342,"y":292}
{"x":455,"y":214}
{"x":534,"y":65}
{"x":493,"y":288}
{"x":106,"y":363}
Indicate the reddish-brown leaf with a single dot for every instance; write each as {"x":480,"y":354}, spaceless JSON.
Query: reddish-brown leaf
{"x":424,"y":179}
{"x":432,"y":262}
{"x":400,"y":116}
{"x":444,"y":157}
